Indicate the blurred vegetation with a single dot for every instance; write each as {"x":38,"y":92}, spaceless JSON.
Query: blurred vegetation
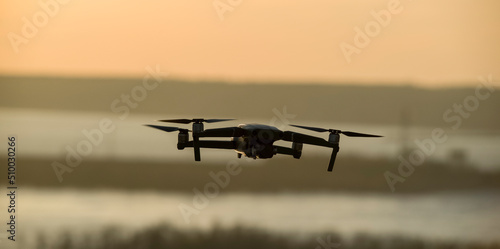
{"x":165,"y":236}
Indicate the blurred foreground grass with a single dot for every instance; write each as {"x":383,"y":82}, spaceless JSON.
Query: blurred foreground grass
{"x":165,"y":236}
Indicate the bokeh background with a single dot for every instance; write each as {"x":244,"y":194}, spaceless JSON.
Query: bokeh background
{"x":411,"y":67}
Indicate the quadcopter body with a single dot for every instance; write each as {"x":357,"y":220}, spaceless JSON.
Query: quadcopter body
{"x":253,"y":140}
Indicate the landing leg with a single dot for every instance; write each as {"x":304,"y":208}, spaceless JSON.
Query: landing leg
{"x":332,"y":158}
{"x":196,"y":147}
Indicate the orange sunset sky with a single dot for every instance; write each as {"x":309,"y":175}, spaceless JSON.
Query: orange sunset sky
{"x":428,"y":43}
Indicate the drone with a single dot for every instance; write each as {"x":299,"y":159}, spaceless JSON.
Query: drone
{"x":253,"y":140}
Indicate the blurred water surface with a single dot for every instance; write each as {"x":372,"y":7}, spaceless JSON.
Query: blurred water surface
{"x":46,"y":134}
{"x":444,"y":216}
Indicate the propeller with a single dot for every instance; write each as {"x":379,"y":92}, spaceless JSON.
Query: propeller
{"x":197,"y":129}
{"x":194,"y":120}
{"x":347,"y":133}
{"x":167,"y":128}
{"x":334,"y":139}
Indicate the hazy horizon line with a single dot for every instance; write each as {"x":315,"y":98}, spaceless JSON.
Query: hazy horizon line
{"x":226,"y":80}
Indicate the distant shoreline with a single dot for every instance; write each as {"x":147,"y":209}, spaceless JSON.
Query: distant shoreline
{"x":351,"y":175}
{"x":311,"y":102}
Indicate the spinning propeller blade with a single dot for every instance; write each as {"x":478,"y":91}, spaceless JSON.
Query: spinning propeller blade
{"x":194,"y":120}
{"x":213,"y":120}
{"x":311,"y":128}
{"x":357,"y":134}
{"x":347,"y":133}
{"x":167,"y":128}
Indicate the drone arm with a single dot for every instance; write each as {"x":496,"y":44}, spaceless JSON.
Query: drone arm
{"x":302,"y":138}
{"x":223,"y":132}
{"x":212,"y":144}
{"x":306,"y":139}
{"x":284,"y":150}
